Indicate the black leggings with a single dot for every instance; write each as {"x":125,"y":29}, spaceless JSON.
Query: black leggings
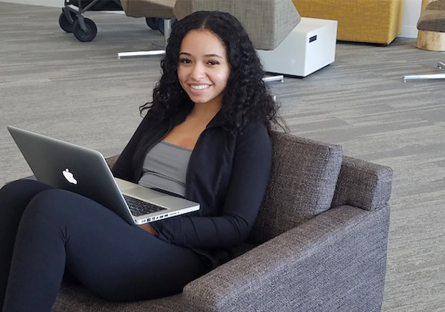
{"x":45,"y":231}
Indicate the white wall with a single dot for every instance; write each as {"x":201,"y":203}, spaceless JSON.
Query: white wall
{"x":410,"y":16}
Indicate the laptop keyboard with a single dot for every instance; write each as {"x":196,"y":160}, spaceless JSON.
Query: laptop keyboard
{"x":139,"y":207}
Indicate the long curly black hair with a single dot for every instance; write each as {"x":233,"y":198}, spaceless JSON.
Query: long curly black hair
{"x":246,"y":97}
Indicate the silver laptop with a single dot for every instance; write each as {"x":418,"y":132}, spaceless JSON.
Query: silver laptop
{"x":84,"y":171}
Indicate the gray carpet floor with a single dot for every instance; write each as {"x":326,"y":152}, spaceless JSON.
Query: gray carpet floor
{"x":53,"y":84}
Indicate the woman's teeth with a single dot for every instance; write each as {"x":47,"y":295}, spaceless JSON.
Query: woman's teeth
{"x":200,"y":87}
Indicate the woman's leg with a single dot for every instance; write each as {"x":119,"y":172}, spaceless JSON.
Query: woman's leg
{"x":115,"y":260}
{"x":14,"y":197}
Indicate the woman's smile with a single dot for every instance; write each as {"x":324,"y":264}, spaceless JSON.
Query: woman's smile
{"x":199,"y":87}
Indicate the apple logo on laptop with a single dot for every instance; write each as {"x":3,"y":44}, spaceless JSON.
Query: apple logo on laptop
{"x":69,"y":176}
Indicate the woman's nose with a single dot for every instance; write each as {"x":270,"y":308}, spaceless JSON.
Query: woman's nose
{"x":198,"y":71}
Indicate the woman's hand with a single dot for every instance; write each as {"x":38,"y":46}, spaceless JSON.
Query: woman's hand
{"x":149,"y":228}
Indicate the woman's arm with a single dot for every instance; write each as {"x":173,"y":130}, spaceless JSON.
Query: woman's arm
{"x":248,"y":182}
{"x":123,"y":168}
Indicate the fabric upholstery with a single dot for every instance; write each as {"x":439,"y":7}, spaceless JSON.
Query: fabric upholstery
{"x":334,"y":262}
{"x":433,"y":17}
{"x":149,"y":8}
{"x":267,"y":22}
{"x":352,"y":189}
{"x":301,"y":186}
{"x":329,"y":256}
{"x":375,"y":21}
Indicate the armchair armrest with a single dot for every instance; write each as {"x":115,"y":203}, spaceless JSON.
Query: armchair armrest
{"x":334,"y":262}
{"x":362,"y":184}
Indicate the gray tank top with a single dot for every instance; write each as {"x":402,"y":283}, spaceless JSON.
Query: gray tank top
{"x":165,"y":167}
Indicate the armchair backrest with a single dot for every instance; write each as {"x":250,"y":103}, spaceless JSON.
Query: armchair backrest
{"x":310,"y":177}
{"x":267,"y":22}
{"x":302,"y":184}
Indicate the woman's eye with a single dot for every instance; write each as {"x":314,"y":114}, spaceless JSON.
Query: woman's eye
{"x":185,"y":61}
{"x":213,"y":62}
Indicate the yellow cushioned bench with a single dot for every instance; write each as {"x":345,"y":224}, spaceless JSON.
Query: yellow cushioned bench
{"x":374,"y":21}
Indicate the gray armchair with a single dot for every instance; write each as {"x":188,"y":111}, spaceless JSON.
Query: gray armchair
{"x":319,"y":243}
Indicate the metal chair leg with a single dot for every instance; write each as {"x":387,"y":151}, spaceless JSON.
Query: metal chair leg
{"x":139,"y":54}
{"x":274,"y":78}
{"x":440,"y":65}
{"x":423,"y":77}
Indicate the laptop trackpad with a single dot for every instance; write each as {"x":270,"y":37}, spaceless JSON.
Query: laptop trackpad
{"x":137,"y":191}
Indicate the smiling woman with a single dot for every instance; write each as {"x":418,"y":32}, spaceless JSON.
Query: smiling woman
{"x":211,"y":116}
{"x":203,"y":72}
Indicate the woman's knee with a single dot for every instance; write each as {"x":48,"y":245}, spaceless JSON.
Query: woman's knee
{"x":23,"y":188}
{"x":23,"y":183}
{"x":49,"y":212}
{"x":51,"y":204}
{"x":15,"y":197}
{"x":62,"y":206}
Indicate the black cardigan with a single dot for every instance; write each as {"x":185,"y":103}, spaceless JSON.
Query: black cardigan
{"x":227,"y":175}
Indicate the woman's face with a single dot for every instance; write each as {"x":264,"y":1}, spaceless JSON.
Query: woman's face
{"x":203,"y":68}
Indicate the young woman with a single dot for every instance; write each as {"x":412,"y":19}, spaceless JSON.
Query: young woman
{"x":205,"y":137}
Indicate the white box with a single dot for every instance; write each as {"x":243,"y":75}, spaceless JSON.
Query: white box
{"x":309,"y":47}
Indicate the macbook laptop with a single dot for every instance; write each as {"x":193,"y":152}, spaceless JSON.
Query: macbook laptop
{"x":84,"y":171}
